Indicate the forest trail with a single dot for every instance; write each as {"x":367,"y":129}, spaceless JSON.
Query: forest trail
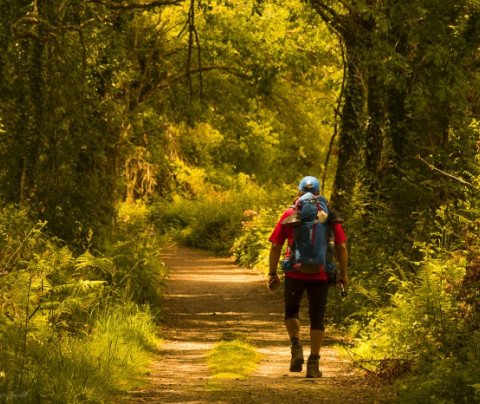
{"x":207,"y":297}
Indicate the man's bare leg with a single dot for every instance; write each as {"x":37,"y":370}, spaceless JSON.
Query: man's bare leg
{"x":316,"y":341}
{"x":316,"y":336}
{"x":293,"y":327}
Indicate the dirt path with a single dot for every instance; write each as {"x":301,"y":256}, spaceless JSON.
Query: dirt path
{"x":207,"y":297}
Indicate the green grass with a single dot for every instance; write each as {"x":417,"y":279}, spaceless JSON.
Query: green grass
{"x":234,"y":359}
{"x":68,"y":368}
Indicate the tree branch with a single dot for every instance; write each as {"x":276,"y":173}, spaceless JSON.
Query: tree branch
{"x":461,"y":180}
{"x":169,"y":80}
{"x":347,"y":6}
{"x":181,"y":75}
{"x":37,"y":37}
{"x":141,"y":5}
{"x":328,"y":15}
{"x":34,"y":20}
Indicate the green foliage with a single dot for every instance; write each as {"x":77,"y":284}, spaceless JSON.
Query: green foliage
{"x":134,"y":249}
{"x":100,"y":104}
{"x":95,"y":105}
{"x":286,"y":75}
{"x":133,"y":323}
{"x":424,"y":328}
{"x":209,"y":215}
{"x":59,"y":368}
{"x":69,"y":328}
{"x":446,"y":380}
{"x":251,"y":248}
{"x":419,"y":306}
{"x":50,"y":160}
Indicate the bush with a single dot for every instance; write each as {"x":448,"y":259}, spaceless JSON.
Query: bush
{"x":61,"y":368}
{"x":424,"y":329}
{"x":135,"y":250}
{"x":446,"y":380}
{"x":69,"y":329}
{"x":251,"y":248}
{"x":213,"y":221}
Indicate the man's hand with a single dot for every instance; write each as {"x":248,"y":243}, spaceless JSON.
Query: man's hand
{"x":342,"y":278}
{"x":273,"y":282}
{"x":342,"y":258}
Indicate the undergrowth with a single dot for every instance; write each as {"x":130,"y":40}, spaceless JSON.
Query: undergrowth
{"x":75,"y":328}
{"x":426,"y":341}
{"x":211,"y":217}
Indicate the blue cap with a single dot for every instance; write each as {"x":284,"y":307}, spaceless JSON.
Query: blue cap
{"x":309,"y":184}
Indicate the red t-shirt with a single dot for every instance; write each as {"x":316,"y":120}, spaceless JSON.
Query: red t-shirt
{"x":282,"y":233}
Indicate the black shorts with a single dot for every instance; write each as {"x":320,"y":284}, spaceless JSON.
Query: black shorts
{"x":317,"y":292}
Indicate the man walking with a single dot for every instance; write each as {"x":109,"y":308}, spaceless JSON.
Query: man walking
{"x":301,"y":275}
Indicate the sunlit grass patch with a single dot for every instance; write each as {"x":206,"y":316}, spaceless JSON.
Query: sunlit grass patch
{"x":234,"y":359}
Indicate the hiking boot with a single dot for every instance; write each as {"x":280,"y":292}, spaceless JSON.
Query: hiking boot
{"x":312,"y":368}
{"x":297,"y":359}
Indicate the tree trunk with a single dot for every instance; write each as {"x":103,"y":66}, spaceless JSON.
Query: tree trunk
{"x":374,"y":133}
{"x":350,"y":134}
{"x":35,"y":122}
{"x":373,"y":143}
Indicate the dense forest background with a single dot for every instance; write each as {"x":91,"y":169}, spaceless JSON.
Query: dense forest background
{"x":124,"y":124}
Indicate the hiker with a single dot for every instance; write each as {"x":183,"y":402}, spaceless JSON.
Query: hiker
{"x":300,"y":276}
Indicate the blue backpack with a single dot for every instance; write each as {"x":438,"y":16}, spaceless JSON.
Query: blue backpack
{"x":312,"y":236}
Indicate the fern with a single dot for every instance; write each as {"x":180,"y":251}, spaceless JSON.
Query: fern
{"x":78,"y":287}
{"x":68,"y":330}
{"x":86,"y":262}
{"x":87,"y":286}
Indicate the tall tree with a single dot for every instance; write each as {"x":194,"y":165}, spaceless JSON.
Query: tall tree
{"x":409,"y":63}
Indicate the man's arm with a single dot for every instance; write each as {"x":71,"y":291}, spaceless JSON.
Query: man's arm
{"x":341,"y":253}
{"x":274,"y":257}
